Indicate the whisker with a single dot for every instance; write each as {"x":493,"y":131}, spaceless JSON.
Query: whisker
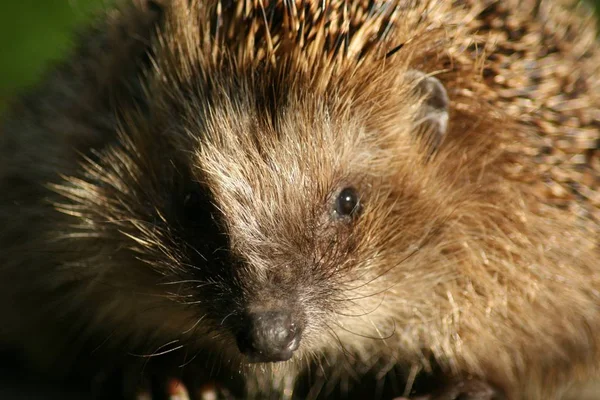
{"x":195,"y":324}
{"x":365,"y":336}
{"x":157,"y":353}
{"x":187,"y":362}
{"x":341,"y":344}
{"x":364,"y":313}
{"x":104,"y":341}
{"x":227,"y":316}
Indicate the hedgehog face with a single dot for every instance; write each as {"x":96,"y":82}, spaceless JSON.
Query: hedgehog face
{"x":309,"y":218}
{"x":264,"y":227}
{"x":273,"y":201}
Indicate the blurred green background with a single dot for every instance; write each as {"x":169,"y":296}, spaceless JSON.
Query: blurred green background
{"x":35,"y":32}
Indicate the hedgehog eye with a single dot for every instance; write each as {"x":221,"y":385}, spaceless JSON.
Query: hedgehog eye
{"x":192,"y":205}
{"x":191,"y":199}
{"x":347,"y":202}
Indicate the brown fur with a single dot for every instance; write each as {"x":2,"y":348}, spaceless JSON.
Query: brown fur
{"x":481,"y":260}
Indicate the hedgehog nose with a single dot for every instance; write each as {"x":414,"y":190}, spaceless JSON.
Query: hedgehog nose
{"x":269,"y":336}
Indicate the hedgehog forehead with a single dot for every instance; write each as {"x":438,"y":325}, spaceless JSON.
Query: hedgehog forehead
{"x":303,"y":150}
{"x":297,"y":159}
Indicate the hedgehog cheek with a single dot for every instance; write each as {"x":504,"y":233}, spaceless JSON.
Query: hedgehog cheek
{"x":431,"y":120}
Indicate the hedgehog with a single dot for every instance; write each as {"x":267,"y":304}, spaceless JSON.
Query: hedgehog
{"x":309,"y":199}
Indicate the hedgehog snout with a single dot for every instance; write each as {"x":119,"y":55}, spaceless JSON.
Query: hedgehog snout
{"x":269,"y":336}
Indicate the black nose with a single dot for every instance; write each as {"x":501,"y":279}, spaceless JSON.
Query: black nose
{"x":269,"y":336}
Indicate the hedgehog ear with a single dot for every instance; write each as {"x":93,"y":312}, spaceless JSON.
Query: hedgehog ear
{"x":431,"y":121}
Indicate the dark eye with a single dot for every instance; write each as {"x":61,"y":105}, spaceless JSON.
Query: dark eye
{"x":347,"y":203}
{"x":194,"y":207}
{"x":191,"y":199}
